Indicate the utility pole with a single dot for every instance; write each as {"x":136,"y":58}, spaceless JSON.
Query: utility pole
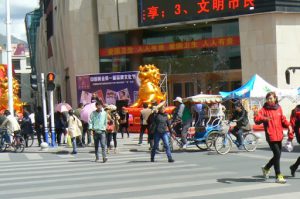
{"x":9,"y":64}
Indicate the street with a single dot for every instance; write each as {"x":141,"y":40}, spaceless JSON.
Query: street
{"x":129,"y":174}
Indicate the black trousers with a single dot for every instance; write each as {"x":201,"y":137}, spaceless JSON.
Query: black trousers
{"x":297,"y":163}
{"x":275,"y":160}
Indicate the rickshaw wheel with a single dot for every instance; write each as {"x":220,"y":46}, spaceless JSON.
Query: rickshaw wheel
{"x":210,"y":139}
{"x":201,"y":145}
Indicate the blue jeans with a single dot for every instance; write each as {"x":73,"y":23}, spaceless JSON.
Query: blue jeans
{"x":165,"y":139}
{"x":74,"y":144}
{"x":238,"y":133}
{"x":100,"y":137}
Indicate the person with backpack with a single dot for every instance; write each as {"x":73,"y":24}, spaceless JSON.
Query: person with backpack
{"x":295,"y":122}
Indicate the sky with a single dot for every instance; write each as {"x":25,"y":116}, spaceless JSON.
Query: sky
{"x":18,"y":10}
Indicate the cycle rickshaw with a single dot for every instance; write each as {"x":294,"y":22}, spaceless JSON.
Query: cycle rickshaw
{"x":202,"y":135}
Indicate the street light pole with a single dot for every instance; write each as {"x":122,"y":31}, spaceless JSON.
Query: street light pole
{"x":9,"y":64}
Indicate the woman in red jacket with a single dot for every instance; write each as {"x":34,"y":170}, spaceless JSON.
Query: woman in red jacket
{"x":295,"y":122}
{"x":273,"y":120}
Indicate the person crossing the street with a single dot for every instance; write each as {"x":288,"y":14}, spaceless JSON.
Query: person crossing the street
{"x":271,"y":116}
{"x":97,"y":124}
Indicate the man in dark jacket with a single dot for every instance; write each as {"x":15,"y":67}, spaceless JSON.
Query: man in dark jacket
{"x":39,"y":125}
{"x":161,"y":122}
{"x":240,"y":116}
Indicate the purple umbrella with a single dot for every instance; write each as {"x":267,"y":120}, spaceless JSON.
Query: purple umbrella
{"x":86,"y":111}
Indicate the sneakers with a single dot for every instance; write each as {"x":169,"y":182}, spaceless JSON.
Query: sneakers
{"x":241,"y":147}
{"x":97,"y":160}
{"x":293,"y":170}
{"x":280,"y":179}
{"x":266,"y":172}
{"x":105,"y":159}
{"x":171,"y":160}
{"x":152,"y":160}
{"x":74,"y":152}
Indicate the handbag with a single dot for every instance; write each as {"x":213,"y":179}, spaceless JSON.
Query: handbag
{"x":110,"y":127}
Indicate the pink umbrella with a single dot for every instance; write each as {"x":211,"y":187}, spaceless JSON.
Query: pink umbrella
{"x":86,"y":111}
{"x":62,"y":107}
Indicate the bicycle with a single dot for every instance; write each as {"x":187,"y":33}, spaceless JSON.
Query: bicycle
{"x":29,"y":138}
{"x":18,"y":142}
{"x":223,"y":142}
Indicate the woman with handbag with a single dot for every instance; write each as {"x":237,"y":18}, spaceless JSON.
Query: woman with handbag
{"x":74,"y":125}
{"x":112,"y":126}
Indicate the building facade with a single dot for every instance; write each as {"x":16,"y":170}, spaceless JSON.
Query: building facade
{"x":202,"y":45}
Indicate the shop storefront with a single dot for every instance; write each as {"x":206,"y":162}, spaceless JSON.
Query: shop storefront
{"x":203,"y":57}
{"x":196,"y":42}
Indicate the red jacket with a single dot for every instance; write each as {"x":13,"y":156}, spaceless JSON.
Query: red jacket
{"x":295,"y":121}
{"x":273,"y":127}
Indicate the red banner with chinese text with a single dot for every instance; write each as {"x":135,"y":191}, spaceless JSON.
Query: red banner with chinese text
{"x":204,"y":43}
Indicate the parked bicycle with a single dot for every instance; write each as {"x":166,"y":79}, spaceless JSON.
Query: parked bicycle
{"x":17,"y":142}
{"x":223,"y":142}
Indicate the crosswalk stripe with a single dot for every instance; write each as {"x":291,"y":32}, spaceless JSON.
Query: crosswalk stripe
{"x":209,"y":192}
{"x":153,"y":179}
{"x":249,"y":155}
{"x":290,"y":195}
{"x":4,"y":157}
{"x":106,"y":174}
{"x":156,"y":187}
{"x":33,"y":156}
{"x":80,"y":178}
{"x":82,"y":169}
{"x":7,"y":158}
{"x":75,"y":159}
{"x":81,"y":163}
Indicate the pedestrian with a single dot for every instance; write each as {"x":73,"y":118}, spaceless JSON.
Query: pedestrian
{"x":74,"y":125}
{"x":187,"y":120}
{"x":60,"y":122}
{"x":271,"y":116}
{"x":295,"y":122}
{"x":161,"y":123}
{"x":240,"y":116}
{"x":124,"y":116}
{"x":151,"y":125}
{"x":79,"y":139}
{"x":112,"y":126}
{"x":97,"y":124}
{"x":177,"y":115}
{"x":145,"y":112}
{"x":39,"y":125}
{"x":26,"y":127}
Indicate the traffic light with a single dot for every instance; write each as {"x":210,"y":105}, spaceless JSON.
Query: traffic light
{"x":50,"y":81}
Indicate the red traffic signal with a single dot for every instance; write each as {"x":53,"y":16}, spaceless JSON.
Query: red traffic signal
{"x":50,"y":81}
{"x":50,"y":77}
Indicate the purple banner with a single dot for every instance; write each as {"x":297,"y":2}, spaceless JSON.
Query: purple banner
{"x":109,"y":87}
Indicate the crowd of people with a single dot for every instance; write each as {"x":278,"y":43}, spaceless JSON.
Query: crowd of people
{"x":105,"y":122}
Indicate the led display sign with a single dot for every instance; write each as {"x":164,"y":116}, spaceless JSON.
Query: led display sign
{"x":154,"y":12}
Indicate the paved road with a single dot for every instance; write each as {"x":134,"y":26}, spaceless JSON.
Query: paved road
{"x":128,"y":174}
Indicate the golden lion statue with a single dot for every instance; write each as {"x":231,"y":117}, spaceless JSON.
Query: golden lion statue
{"x":18,"y":105}
{"x":149,"y":89}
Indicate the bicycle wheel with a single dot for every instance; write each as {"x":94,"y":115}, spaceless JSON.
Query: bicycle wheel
{"x":30,"y":139}
{"x":19,"y":144}
{"x":250,"y":142}
{"x":223,"y":144}
{"x":210,"y":139}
